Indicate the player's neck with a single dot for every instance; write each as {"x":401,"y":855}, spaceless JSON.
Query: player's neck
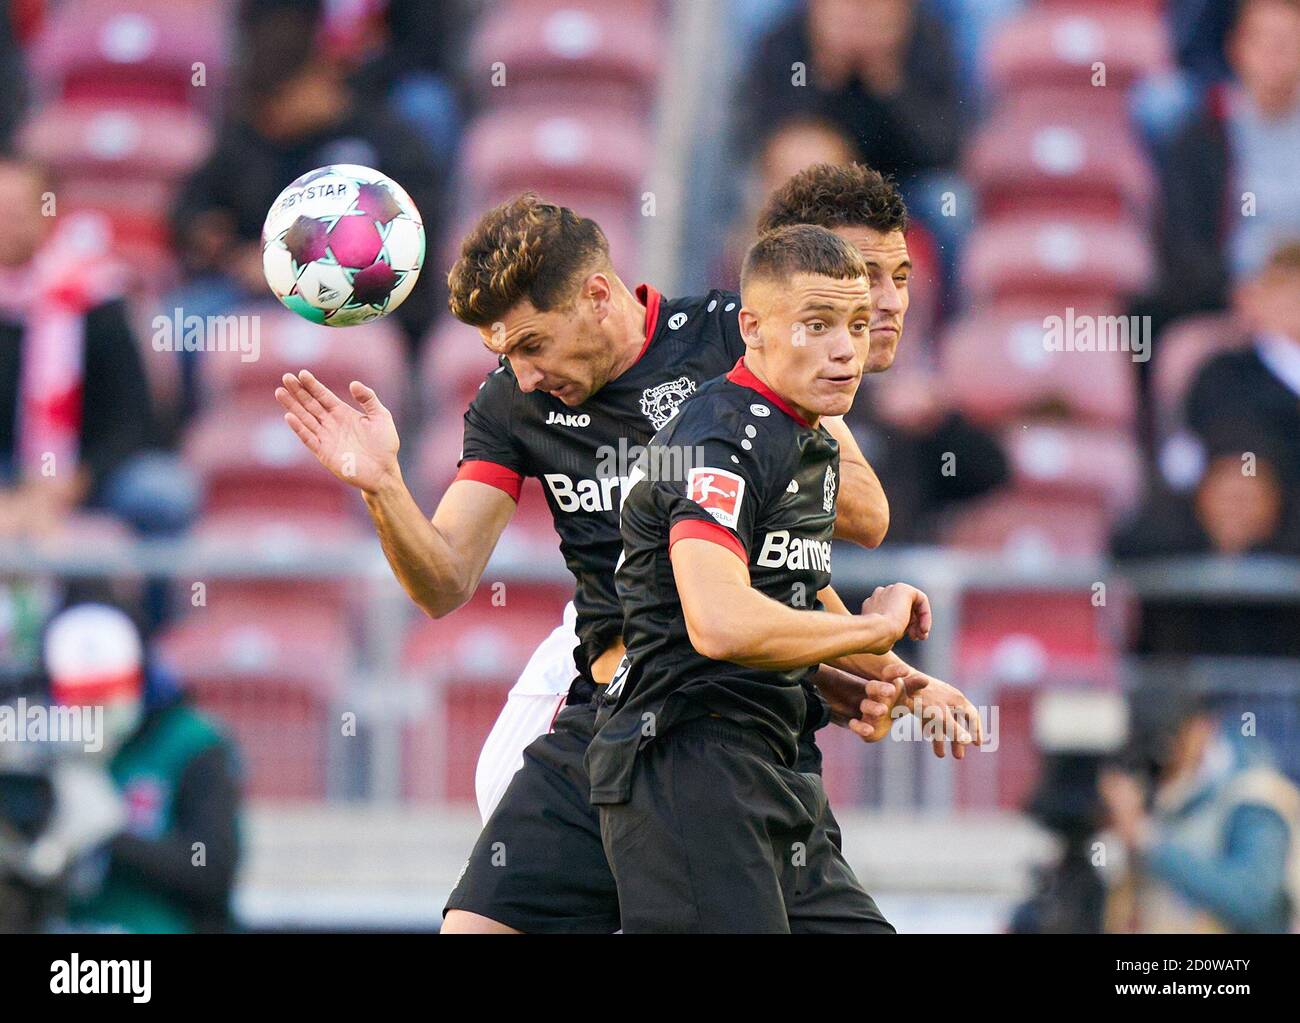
{"x":630,"y":329}
{"x":754,"y":363}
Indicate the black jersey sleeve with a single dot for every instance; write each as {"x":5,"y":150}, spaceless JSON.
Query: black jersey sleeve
{"x":490,"y":453}
{"x":724,"y":483}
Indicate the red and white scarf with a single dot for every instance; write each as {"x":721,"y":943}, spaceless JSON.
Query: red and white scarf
{"x":49,"y":298}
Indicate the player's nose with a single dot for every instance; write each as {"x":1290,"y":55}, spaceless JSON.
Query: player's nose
{"x":529,"y":377}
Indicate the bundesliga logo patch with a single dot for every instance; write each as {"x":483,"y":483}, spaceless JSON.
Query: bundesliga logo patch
{"x":718,"y":492}
{"x":659,"y":404}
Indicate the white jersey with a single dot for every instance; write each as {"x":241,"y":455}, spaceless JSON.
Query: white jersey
{"x":534,"y":701}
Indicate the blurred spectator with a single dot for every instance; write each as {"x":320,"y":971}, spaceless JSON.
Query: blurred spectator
{"x":294,"y":111}
{"x":13,"y":79}
{"x":1216,"y":849}
{"x":74,"y":400}
{"x":1255,"y":391}
{"x":928,"y":456}
{"x":1230,"y":189}
{"x":881,"y":69}
{"x":1200,"y":35}
{"x":171,"y":867}
{"x":798,"y":142}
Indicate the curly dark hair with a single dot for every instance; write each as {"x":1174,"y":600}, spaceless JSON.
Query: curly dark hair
{"x":836,"y":195}
{"x":525,"y":248}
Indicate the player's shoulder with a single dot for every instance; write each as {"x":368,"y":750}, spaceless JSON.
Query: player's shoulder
{"x":498,"y":391}
{"x":708,"y":317}
{"x":731,"y":413}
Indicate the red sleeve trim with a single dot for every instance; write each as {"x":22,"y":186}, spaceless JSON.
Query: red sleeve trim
{"x":697,"y":529}
{"x":505,"y":480}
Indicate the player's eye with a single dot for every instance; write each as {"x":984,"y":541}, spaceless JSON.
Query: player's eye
{"x":815,"y":326}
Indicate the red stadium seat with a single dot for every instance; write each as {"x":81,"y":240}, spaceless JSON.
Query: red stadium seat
{"x":117,"y":140}
{"x":1028,"y":637}
{"x":134,"y":50}
{"x":1184,"y":347}
{"x":551,"y":53}
{"x":601,"y":152}
{"x":1059,"y":45}
{"x":1067,"y":460}
{"x":249,"y":459}
{"x":453,"y":365}
{"x":996,"y":365}
{"x":274,"y":535}
{"x":373,"y":353}
{"x":468,"y":661}
{"x":1052,"y":258}
{"x":1032,"y":529}
{"x":273,"y":680}
{"x":1028,"y":163}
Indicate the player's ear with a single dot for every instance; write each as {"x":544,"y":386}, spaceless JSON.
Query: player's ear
{"x":598,"y":290}
{"x":748,"y":322}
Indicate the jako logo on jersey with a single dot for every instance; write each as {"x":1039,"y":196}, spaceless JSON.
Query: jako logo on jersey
{"x":585,"y":495}
{"x":781,"y":550}
{"x":659,"y":404}
{"x":828,"y":490}
{"x":718,"y":492}
{"x":564,"y":419}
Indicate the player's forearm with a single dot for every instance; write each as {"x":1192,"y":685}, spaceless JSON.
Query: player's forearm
{"x":745,"y":627}
{"x":868,"y":665}
{"x":425,"y":564}
{"x":861,"y":510}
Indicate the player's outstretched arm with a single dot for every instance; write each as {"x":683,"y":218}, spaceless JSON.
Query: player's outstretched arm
{"x":438,"y":562}
{"x":862,"y":510}
{"x":729,"y":620}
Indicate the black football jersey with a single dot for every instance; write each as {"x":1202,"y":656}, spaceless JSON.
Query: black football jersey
{"x":583,"y":454}
{"x":759,"y":480}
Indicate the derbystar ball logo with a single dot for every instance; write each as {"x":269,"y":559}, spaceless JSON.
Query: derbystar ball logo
{"x":659,"y":404}
{"x":718,"y":492}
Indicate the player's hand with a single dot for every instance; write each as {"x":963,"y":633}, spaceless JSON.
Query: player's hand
{"x":946,"y":714}
{"x":359,"y":447}
{"x":903,"y":605}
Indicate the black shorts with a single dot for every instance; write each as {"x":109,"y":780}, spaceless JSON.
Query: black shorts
{"x":719,"y":837}
{"x":538,"y":865}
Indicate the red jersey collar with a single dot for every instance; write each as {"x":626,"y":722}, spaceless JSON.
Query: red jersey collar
{"x":744,"y":376}
{"x":648,"y":297}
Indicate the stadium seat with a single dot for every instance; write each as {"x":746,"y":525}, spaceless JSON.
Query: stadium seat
{"x":1059,"y":45}
{"x":271,"y":536}
{"x":373,"y":353}
{"x":1023,"y":162}
{"x":117,"y":140}
{"x":555,"y":52}
{"x":453,"y":364}
{"x":1066,"y":459}
{"x":248,"y":458}
{"x":1184,"y":346}
{"x":273,"y":681}
{"x":1033,"y":530}
{"x":1040,"y":256}
{"x":996,"y":365}
{"x":467,"y":662}
{"x":134,"y":50}
{"x":1032,"y":636}
{"x":602,"y":152}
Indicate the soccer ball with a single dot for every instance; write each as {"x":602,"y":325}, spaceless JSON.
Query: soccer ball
{"x":342,"y":245}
